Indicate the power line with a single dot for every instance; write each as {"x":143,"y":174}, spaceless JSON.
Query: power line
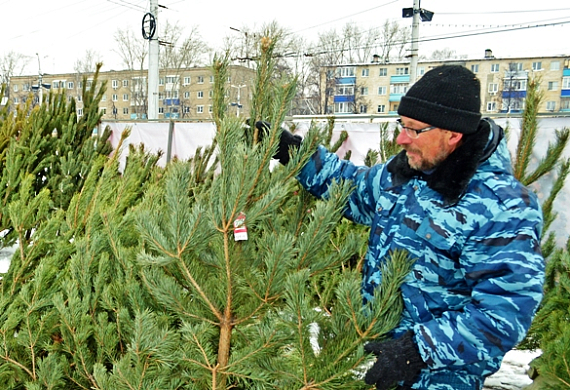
{"x":503,"y":12}
{"x":428,"y":39}
{"x":345,"y":17}
{"x":126,"y":4}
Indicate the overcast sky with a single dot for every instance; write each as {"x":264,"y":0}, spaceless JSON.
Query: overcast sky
{"x":61,"y":31}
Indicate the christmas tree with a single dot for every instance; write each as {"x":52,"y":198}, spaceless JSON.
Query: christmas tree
{"x":212,"y":273}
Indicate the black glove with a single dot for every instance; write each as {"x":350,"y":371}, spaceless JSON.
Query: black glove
{"x":397,"y":360}
{"x":286,"y":142}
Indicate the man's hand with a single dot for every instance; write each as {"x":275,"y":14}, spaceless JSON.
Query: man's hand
{"x":397,"y":360}
{"x":286,"y":142}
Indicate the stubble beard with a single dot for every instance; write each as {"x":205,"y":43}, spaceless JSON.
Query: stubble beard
{"x":420,"y":163}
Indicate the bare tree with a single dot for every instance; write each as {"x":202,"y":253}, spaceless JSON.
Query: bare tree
{"x":393,"y":38}
{"x":12,"y":64}
{"x":178,"y":52}
{"x":132,"y":49}
{"x":87,"y":64}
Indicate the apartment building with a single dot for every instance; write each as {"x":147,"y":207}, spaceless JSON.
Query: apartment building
{"x":376,"y":88}
{"x":183,"y":93}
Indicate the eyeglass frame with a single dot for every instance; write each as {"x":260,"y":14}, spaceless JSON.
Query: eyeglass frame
{"x":416,"y":132}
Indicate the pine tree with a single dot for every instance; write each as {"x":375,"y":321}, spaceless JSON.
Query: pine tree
{"x":550,"y":330}
{"x":134,"y":279}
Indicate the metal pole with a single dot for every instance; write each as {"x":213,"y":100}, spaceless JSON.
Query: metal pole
{"x":153,"y":66}
{"x":170,"y":137}
{"x":40,"y":92}
{"x":415,"y":38}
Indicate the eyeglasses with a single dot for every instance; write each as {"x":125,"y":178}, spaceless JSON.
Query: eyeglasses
{"x":413,"y":133}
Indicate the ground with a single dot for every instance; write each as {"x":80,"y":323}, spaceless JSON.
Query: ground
{"x":513,"y":372}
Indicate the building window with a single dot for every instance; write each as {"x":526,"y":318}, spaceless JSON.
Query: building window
{"x":402,"y":71}
{"x":343,"y":108}
{"x":125,"y":97}
{"x":115,"y":97}
{"x":345,"y":90}
{"x":55,"y":84}
{"x":364,"y":91}
{"x":565,"y":104}
{"x":80,"y":112}
{"x":125,"y":83}
{"x":15,"y":87}
{"x":186,"y":109}
{"x":515,"y":85}
{"x":365,"y":72}
{"x":537,"y":65}
{"x":383,"y":72}
{"x":381,"y":109}
{"x":115,"y":84}
{"x":200,"y":94}
{"x":565,"y":82}
{"x":420,"y":71}
{"x":211,"y":79}
{"x":211,"y":94}
{"x":492,"y":106}
{"x":495,"y":68}
{"x":475,"y":68}
{"x":125,"y":110}
{"x":172,"y":79}
{"x":200,"y":109}
{"x":399,"y":88}
{"x":555,"y":65}
{"x":363,"y":108}
{"x":161,"y":81}
{"x":553,"y":85}
{"x":186,"y":95}
{"x":79,"y":98}
{"x":187,"y":80}
{"x":345,"y":71}
{"x":70,"y":85}
{"x":493,"y":88}
{"x":550,"y":106}
{"x":200,"y":80}
{"x":104,"y":98}
{"x":210,"y":109}
{"x":16,"y":100}
{"x":382,"y":90}
{"x":161,"y":110}
{"x":103,"y":111}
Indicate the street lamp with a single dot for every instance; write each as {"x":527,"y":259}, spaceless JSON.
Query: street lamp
{"x":416,"y":13}
{"x":238,"y":102}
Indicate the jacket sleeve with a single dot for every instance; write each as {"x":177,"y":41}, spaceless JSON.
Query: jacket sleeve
{"x":503,"y":264}
{"x":324,"y":167}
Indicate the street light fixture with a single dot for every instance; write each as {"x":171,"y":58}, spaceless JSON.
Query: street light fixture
{"x":238,"y":102}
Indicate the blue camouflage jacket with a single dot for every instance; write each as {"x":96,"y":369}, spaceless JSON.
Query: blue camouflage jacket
{"x":475,"y":232}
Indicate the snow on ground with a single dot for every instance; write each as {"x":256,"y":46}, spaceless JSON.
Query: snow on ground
{"x":513,"y":372}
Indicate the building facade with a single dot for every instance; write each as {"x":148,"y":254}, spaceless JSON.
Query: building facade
{"x":376,"y":88}
{"x":183,"y":93}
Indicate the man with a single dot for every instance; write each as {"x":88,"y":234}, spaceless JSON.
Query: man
{"x":449,"y":198}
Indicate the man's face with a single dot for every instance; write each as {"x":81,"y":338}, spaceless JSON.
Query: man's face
{"x":430,"y":148}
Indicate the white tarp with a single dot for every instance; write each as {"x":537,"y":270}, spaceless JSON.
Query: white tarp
{"x":187,"y":137}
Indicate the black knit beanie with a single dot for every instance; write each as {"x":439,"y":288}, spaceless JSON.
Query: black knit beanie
{"x":447,"y":97}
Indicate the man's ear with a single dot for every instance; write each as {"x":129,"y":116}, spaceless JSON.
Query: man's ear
{"x":454,"y":138}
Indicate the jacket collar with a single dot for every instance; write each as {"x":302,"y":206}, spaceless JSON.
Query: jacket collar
{"x":451,"y":178}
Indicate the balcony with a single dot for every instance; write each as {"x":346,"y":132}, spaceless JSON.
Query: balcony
{"x":171,"y":102}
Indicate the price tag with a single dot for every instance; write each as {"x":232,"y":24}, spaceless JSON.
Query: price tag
{"x":240,"y":230}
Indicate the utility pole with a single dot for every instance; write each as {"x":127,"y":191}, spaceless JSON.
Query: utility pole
{"x":416,"y":13}
{"x":153,"y":62}
{"x":40,"y":88}
{"x":415,"y":38}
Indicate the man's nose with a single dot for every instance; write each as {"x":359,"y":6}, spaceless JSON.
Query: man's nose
{"x":403,"y":138}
